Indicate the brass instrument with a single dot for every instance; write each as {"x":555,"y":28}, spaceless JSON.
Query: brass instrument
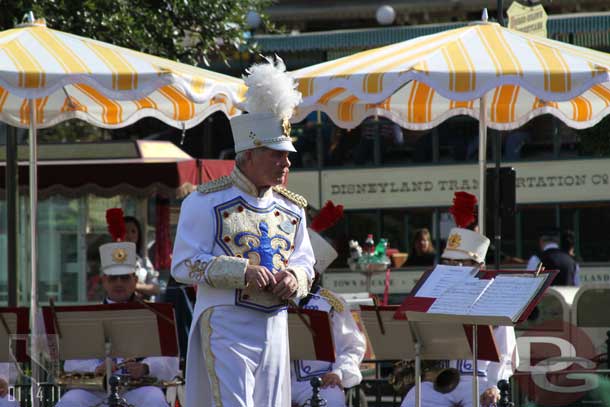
{"x":81,"y":380}
{"x":445,"y":379}
{"x":92,"y":382}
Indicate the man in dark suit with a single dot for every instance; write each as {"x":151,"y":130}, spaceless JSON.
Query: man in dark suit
{"x":553,"y":258}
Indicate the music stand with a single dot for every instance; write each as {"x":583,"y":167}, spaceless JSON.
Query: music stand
{"x":393,"y":338}
{"x":310,"y":335}
{"x":14,"y":328}
{"x":109,"y":330}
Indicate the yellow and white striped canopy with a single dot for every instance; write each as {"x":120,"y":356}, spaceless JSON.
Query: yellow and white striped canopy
{"x":417,"y":106}
{"x":108,"y":86}
{"x":461,"y":64}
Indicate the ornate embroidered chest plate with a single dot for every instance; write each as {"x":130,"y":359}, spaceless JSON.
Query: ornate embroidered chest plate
{"x":265,"y":236}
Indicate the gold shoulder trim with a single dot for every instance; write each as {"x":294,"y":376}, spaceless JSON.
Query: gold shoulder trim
{"x":332,"y":299}
{"x":215,"y":185}
{"x":292,"y":196}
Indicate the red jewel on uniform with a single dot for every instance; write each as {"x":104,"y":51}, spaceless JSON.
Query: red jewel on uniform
{"x":294,"y":221}
{"x":292,"y":247}
{"x":286,"y":262}
{"x":227,"y":239}
{"x":225,"y":214}
{"x":240,"y":208}
{"x":277,"y":213}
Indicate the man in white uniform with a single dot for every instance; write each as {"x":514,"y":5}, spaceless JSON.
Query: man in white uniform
{"x":243,"y":240}
{"x":465,"y":247}
{"x":349,"y":342}
{"x":8,"y":377}
{"x":118,"y":262}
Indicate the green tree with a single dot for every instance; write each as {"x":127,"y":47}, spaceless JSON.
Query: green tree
{"x":189,"y":31}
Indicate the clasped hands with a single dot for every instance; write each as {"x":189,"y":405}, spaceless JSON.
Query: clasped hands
{"x":282,"y":284}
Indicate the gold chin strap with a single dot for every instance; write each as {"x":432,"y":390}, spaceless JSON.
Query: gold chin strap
{"x":472,"y":255}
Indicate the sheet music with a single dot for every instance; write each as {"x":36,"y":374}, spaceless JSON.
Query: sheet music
{"x":458,"y":300}
{"x":442,"y":278}
{"x":507,"y":296}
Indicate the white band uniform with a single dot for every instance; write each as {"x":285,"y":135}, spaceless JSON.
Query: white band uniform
{"x":350,"y":347}
{"x":219,"y":233}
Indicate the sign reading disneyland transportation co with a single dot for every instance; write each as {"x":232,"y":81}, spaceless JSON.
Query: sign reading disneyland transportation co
{"x":433,"y":186}
{"x":531,"y":20}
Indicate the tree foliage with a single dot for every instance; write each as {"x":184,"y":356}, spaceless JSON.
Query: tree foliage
{"x":190,"y":31}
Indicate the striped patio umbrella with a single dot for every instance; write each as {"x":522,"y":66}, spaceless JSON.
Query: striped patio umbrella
{"x":423,"y":81}
{"x":48,"y":76}
{"x":108,"y":86}
{"x":417,"y":106}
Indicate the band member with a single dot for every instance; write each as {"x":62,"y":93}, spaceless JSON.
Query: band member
{"x":118,"y":262}
{"x":8,"y":377}
{"x":349,"y":342}
{"x":243,"y":240}
{"x":466,"y":247}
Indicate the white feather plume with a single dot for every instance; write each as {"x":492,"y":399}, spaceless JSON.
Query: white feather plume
{"x":271,"y":89}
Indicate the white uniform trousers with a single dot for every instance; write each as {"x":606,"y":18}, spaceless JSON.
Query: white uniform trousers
{"x":146,"y":396}
{"x":246,"y":357}
{"x":461,"y":395}
{"x":302,"y":392}
{"x":8,"y":401}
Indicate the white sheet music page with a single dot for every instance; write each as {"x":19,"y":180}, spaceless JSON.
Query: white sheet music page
{"x":442,"y":278}
{"x":507,"y":296}
{"x":459,"y":299}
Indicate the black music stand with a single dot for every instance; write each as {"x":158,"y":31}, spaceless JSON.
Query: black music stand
{"x":14,"y":330}
{"x":393,"y":338}
{"x":310,"y":335}
{"x":129,"y":330}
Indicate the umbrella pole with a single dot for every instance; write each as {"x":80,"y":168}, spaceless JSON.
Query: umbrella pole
{"x":481,"y":214}
{"x":482,"y":160}
{"x":33,"y":254}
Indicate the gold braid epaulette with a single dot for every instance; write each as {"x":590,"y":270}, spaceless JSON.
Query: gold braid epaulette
{"x":215,"y":185}
{"x":292,"y":196}
{"x":332,"y":299}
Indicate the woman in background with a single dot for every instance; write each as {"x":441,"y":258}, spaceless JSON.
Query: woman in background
{"x":422,"y":250}
{"x":148,"y":277}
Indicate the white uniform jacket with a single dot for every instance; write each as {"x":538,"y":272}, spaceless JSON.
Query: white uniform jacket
{"x":489,"y":373}
{"x":223,"y":227}
{"x":350,"y":344}
{"x":493,"y":372}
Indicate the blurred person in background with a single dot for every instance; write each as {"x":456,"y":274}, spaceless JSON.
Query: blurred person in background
{"x":422,"y":251}
{"x":567,"y":244}
{"x":148,"y":277}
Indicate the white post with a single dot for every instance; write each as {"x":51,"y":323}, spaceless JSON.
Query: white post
{"x":33,"y":252}
{"x":475,"y":367}
{"x":417,"y":373}
{"x":482,"y":160}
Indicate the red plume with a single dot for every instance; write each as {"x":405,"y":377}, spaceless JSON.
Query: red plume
{"x":116,"y":224}
{"x":463,"y":209}
{"x":327,"y":217}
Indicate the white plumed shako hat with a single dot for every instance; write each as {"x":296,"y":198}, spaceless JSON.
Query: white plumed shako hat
{"x":323,"y":251}
{"x":464,"y":243}
{"x":119,"y":257}
{"x":269,"y":101}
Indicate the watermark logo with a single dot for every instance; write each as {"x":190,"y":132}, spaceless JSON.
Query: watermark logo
{"x":556,"y":361}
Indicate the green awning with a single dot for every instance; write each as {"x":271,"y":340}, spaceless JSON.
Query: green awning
{"x":587,"y":29}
